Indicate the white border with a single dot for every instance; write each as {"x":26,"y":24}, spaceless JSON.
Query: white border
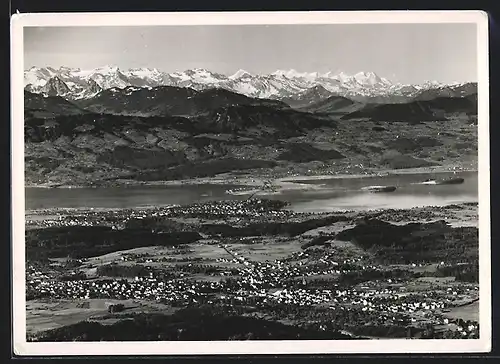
{"x":21,"y":347}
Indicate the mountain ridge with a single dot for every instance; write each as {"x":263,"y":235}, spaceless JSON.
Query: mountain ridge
{"x":277,"y":85}
{"x":167,"y":100}
{"x":137,"y":137}
{"x":139,"y":134}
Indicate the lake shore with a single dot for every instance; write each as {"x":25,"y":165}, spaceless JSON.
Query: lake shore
{"x":278,"y":183}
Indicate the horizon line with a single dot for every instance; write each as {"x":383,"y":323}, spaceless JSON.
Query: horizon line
{"x":334,"y":73}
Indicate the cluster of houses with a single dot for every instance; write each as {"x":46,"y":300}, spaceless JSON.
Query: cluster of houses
{"x":91,"y":217}
{"x":281,"y":270}
{"x":224,"y":209}
{"x":279,"y":282}
{"x":141,"y":288}
{"x":465,"y":328}
{"x":119,"y":218}
{"x":261,"y":284}
{"x":382,"y":300}
{"x":265,"y":282}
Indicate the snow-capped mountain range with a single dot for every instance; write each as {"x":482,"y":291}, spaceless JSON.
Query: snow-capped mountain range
{"x":74,"y":83}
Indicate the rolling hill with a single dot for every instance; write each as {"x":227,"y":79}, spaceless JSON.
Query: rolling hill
{"x":165,"y":133}
{"x":308,"y":97}
{"x":36,"y":105}
{"x":334,"y":105}
{"x":458,"y":91}
{"x":436,"y":109}
{"x":262,"y":120}
{"x":167,"y":100}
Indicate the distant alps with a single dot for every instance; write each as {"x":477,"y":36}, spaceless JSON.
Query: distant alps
{"x":75,"y":83}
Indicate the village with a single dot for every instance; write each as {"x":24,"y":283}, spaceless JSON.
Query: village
{"x":340,"y":283}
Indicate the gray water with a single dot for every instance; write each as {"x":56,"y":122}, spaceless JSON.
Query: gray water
{"x":347,"y":194}
{"x":328,"y":195}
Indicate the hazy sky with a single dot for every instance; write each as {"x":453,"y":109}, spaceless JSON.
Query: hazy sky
{"x":408,"y":53}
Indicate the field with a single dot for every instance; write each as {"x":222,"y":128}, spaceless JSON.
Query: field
{"x":251,"y":269}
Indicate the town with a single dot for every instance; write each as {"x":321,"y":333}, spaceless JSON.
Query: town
{"x":334,"y":285}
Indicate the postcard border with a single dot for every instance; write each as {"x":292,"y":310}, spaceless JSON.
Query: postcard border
{"x":21,"y":347}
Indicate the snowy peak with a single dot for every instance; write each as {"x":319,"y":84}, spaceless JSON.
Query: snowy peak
{"x":342,"y":76}
{"x":367,"y":78}
{"x":93,"y":87}
{"x":144,"y":77}
{"x":360,"y":79}
{"x":56,"y":87}
{"x":109,"y":77}
{"x":294,"y":74}
{"x":107,"y":70}
{"x":150,"y":73}
{"x":240,"y":74}
{"x":201,"y":74}
{"x":37,"y":77}
{"x":75,"y":83}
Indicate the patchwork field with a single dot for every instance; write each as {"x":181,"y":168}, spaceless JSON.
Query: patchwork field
{"x":278,"y":273}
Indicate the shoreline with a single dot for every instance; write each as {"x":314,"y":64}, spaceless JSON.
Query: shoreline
{"x":57,"y":211}
{"x":283,"y":183}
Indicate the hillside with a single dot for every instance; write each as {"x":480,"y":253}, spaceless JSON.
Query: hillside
{"x":450,"y":91}
{"x":308,"y":97}
{"x":405,"y":112}
{"x":195,"y":323}
{"x":317,"y":96}
{"x":92,"y":148}
{"x":382,"y":99}
{"x":168,"y":133}
{"x":436,"y":109}
{"x":166,"y":100}
{"x":450,"y":105}
{"x":334,"y":105}
{"x":262,"y":120}
{"x":36,"y":105}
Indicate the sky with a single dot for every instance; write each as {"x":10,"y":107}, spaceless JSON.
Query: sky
{"x":406,"y":53}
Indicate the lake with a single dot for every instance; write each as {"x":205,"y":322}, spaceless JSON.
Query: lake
{"x":327,"y":195}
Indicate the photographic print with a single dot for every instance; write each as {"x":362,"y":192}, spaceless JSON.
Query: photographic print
{"x":238,"y":183}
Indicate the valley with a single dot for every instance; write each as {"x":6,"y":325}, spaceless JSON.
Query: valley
{"x":187,"y":272}
{"x":170,"y":133}
{"x":267,"y":260}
